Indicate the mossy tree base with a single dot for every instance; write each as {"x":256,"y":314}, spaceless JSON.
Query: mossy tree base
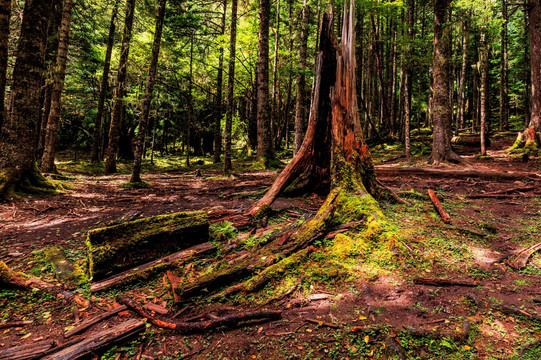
{"x":527,"y":144}
{"x":14,"y":181}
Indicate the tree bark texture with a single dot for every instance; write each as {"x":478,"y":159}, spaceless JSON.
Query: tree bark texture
{"x":230,"y":89}
{"x":504,"y":71}
{"x":120,"y":91}
{"x":97,"y":133}
{"x":461,"y":106}
{"x":441,"y":104}
{"x":219,"y":97}
{"x":483,"y":104}
{"x":264,"y":132}
{"x":47,"y":160}
{"x":301,"y":81}
{"x":5,"y":15}
{"x":149,"y":89}
{"x":408,"y":83}
{"x":18,"y":136}
{"x":534,"y":14}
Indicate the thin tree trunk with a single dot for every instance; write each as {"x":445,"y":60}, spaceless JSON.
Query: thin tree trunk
{"x":528,"y":76}
{"x":120,"y":91}
{"x":264,"y":132}
{"x":230,"y":89}
{"x":5,"y":15}
{"x":97,"y":134}
{"x":460,"y":119}
{"x":441,"y":106}
{"x":300,"y":106}
{"x":219,"y":99}
{"x":483,"y":64}
{"x":504,"y":72}
{"x":275,"y":119}
{"x":47,"y":161}
{"x":408,"y":87}
{"x":149,"y":88}
{"x":190,"y":106}
{"x":18,"y":136}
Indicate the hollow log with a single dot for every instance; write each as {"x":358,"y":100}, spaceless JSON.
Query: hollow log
{"x":117,"y":248}
{"x":183,"y":327}
{"x":149,"y":269}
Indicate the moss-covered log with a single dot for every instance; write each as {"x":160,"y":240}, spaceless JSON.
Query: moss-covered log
{"x":116,"y":248}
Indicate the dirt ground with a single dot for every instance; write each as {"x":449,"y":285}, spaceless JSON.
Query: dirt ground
{"x":357,"y":317}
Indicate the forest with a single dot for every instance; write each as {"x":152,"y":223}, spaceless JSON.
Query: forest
{"x":225,"y":179}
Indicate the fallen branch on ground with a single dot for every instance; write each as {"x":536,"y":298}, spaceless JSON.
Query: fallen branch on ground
{"x":520,"y":259}
{"x":99,"y":341}
{"x":322,"y":323}
{"x":487,"y":175}
{"x":201,"y":326}
{"x":88,"y":323}
{"x":444,"y":215}
{"x":151,"y":268}
{"x":15,"y":324}
{"x":444,"y":282}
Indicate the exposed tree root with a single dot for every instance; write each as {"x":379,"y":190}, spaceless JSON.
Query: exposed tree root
{"x":201,"y":326}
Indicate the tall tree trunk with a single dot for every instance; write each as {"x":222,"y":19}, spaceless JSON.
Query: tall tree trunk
{"x":504,"y":72}
{"x":441,"y":105}
{"x":97,"y":133}
{"x":483,"y":64}
{"x":149,"y":88}
{"x":219,"y":99}
{"x":230,"y":89}
{"x":408,"y":87}
{"x":528,"y":76}
{"x":18,"y":136}
{"x":300,"y":105}
{"x":47,"y":161}
{"x":275,"y":119}
{"x":460,"y":122}
{"x":190,"y":106}
{"x":265,"y":151}
{"x":51,"y":54}
{"x":120,"y":91}
{"x":5,"y":15}
{"x":534,"y":15}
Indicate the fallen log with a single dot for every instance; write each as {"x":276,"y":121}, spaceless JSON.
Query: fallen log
{"x":444,"y":282}
{"x":444,"y":215}
{"x":99,"y":341}
{"x":117,"y":248}
{"x":29,"y":351}
{"x":15,"y":324}
{"x":471,"y":140}
{"x":520,"y":259}
{"x":88,"y":323}
{"x":382,"y":170}
{"x":201,"y":326}
{"x":149,"y":269}
{"x":10,"y":278}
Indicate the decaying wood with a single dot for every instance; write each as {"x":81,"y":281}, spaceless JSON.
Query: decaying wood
{"x":469,"y":140}
{"x":15,"y":324}
{"x":156,"y":308}
{"x":30,"y":351}
{"x":444,"y":282}
{"x":99,"y":341}
{"x":266,"y":256}
{"x":151,"y":268}
{"x":117,"y":248}
{"x":520,"y":259}
{"x":10,"y":278}
{"x":201,"y":326}
{"x":383,"y":170}
{"x":88,"y":323}
{"x":444,"y":215}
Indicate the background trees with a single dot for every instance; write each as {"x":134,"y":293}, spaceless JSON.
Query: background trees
{"x":399,"y":88}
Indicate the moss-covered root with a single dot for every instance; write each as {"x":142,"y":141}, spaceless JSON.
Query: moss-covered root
{"x":28,"y":182}
{"x":10,"y":278}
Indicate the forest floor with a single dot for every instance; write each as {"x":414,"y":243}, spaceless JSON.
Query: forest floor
{"x":359,"y":303}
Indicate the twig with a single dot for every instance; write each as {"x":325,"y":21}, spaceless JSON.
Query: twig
{"x":322,"y":323}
